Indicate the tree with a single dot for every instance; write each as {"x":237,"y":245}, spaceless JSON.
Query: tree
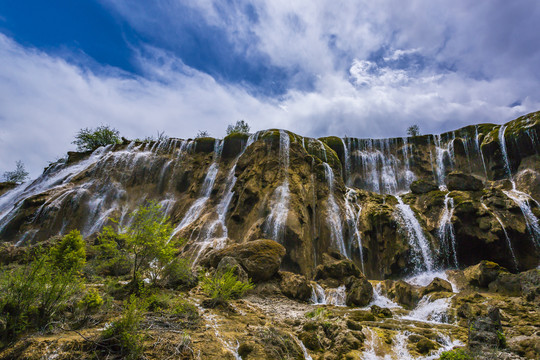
{"x":88,"y":139}
{"x":241,"y":127}
{"x":70,"y":253}
{"x":147,"y":240}
{"x":18,"y":175}
{"x":413,"y":130}
{"x":203,"y":134}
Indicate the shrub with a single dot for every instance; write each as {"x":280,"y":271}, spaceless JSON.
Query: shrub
{"x":185,"y":311}
{"x":17,"y":176}
{"x":33,"y":295}
{"x":202,"y":134}
{"x":178,"y":275}
{"x":241,"y":127}
{"x":225,"y":286}
{"x":91,"y":301}
{"x":111,"y":255}
{"x":319,"y":314}
{"x":147,"y":241}
{"x":69,"y":254}
{"x":124,"y":335}
{"x":88,"y":139}
{"x":456,"y":354}
{"x":413,"y":130}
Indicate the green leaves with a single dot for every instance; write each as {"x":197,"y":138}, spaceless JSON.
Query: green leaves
{"x":225,"y":286}
{"x":69,"y":254}
{"x":88,"y":139}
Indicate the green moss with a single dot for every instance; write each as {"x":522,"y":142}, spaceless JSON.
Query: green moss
{"x":236,"y":136}
{"x":456,"y":354}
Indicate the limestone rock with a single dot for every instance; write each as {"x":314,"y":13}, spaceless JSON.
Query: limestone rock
{"x":338,"y":270}
{"x":486,"y":331}
{"x":423,"y":186}
{"x":404,"y":294}
{"x":437,"y":285}
{"x":483,"y":273}
{"x":295,"y":286}
{"x":260,"y":258}
{"x":459,"y":181}
{"x":227,"y":263}
{"x":359,"y":291}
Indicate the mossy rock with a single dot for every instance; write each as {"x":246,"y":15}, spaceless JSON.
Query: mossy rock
{"x":205,"y":145}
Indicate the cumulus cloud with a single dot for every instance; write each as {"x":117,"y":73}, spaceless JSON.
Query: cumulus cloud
{"x":362,"y":69}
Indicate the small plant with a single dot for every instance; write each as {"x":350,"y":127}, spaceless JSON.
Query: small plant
{"x":225,"y":286}
{"x":91,"y":302}
{"x":17,"y":176}
{"x":413,"y":130}
{"x":501,"y":339}
{"x":318,"y":314}
{"x":202,"y":134}
{"x":456,"y":354}
{"x":124,"y":334}
{"x":90,"y":139}
{"x":241,"y":127}
{"x":70,"y":253}
{"x":178,"y":275}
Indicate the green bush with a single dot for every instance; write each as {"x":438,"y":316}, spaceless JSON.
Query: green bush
{"x":124,"y":335}
{"x":111,"y":256}
{"x":69,"y":254}
{"x":185,"y":311}
{"x":33,"y":295}
{"x":178,"y":275}
{"x":90,"y":139}
{"x":241,"y":127}
{"x":91,"y":301}
{"x":225,"y":286}
{"x":456,"y":354}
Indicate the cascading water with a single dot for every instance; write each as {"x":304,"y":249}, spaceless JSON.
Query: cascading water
{"x":275,"y":224}
{"x":443,"y":153}
{"x":353,"y":217}
{"x":446,"y":232}
{"x":421,"y":251}
{"x":508,"y":241}
{"x":347,"y":158}
{"x":332,"y":296}
{"x":334,"y":215}
{"x":520,"y":198}
{"x":218,"y":226}
{"x":479,"y":149}
{"x":197,"y":207}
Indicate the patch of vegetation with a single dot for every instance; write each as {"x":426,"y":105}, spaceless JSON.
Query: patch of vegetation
{"x":202,"y":134}
{"x":226,"y":286}
{"x":111,"y":257}
{"x":241,"y":127}
{"x":90,"y":139}
{"x":319,"y":314}
{"x":124,"y":336}
{"x":17,"y":176}
{"x":69,"y":255}
{"x":456,"y":354}
{"x":413,"y":130}
{"x":278,"y":345}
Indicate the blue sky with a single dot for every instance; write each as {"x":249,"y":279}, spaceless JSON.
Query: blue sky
{"x":329,"y":67}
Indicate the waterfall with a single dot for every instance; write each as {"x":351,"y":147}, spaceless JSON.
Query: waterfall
{"x":347,"y":168}
{"x":196,"y":208}
{"x":211,"y":229}
{"x":334,"y":216}
{"x":446,"y":231}
{"x":479,"y":149}
{"x":442,"y":153}
{"x":419,"y":244}
{"x":380,"y":300}
{"x":508,"y":241}
{"x":353,"y":217}
{"x":520,"y":198}
{"x":435,"y":311}
{"x":318,"y":295}
{"x":331,"y":296}
{"x":275,"y":224}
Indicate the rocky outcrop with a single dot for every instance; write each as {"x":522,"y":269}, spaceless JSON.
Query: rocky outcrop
{"x":437,"y":285}
{"x":359,"y":291}
{"x":295,"y":286}
{"x":403,"y":293}
{"x":261,"y":259}
{"x":463,"y":182}
{"x":483,"y":273}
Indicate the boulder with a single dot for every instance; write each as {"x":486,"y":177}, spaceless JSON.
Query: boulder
{"x":260,"y":258}
{"x":295,"y":286}
{"x":227,"y":263}
{"x":530,"y":284}
{"x":483,"y":273}
{"x":424,"y":346}
{"x":338,"y":270}
{"x":423,"y":186}
{"x":486,"y":331}
{"x":507,"y":284}
{"x":359,"y":291}
{"x":404,"y":294}
{"x":380,"y":311}
{"x":437,"y":285}
{"x":6,"y":186}
{"x":459,"y":181}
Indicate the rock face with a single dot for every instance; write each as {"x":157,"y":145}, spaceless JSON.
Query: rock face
{"x":295,"y":286}
{"x":312,"y":196}
{"x":403,"y":293}
{"x":437,"y":285}
{"x":260,"y":259}
{"x":483,"y":273}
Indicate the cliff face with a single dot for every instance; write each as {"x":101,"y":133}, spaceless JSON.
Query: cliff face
{"x":394,"y":206}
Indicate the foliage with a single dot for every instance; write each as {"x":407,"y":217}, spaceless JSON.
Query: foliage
{"x":69,"y":254}
{"x":90,"y":139}
{"x":225,"y":286}
{"x":178,"y":275}
{"x":413,"y":130}
{"x":112,"y":257}
{"x":241,"y":127}
{"x":456,"y":354}
{"x":185,"y":311}
{"x":147,"y":240}
{"x":33,"y":295}
{"x":91,"y":301}
{"x":318,"y":313}
{"x":501,"y":339}
{"x":18,"y":175}
{"x":125,"y":333}
{"x":202,"y":134}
